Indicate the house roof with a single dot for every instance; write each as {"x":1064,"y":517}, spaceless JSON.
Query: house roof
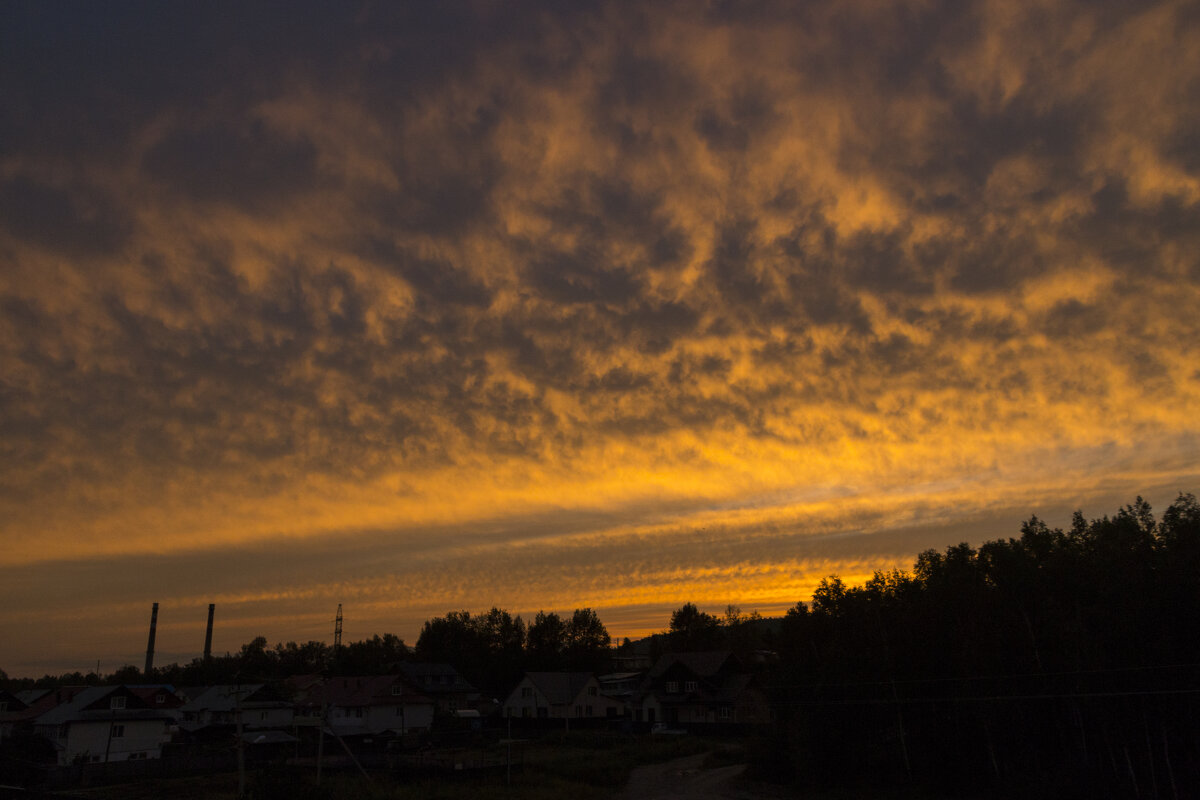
{"x":36,"y":702}
{"x":87,"y":705}
{"x":559,"y":688}
{"x":159,"y":696}
{"x":704,"y":664}
{"x":436,"y":677}
{"x":228,"y":696}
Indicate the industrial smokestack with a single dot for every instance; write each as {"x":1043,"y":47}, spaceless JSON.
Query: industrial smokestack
{"x":208,"y":634}
{"x":150,"y":643}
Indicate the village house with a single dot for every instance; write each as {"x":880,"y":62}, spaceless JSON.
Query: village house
{"x":703,"y":688}
{"x":560,"y":695}
{"x":218,"y":707}
{"x":370,"y":705}
{"x":103,"y":724}
{"x":442,"y":683}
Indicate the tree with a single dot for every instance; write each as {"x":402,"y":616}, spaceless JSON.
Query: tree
{"x":587,"y":641}
{"x":503,"y":638}
{"x":739,"y":629}
{"x":693,"y":629}
{"x":546,"y":642}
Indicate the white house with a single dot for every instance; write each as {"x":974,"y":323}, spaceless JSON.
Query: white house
{"x":259,"y":707}
{"x":105,"y":723}
{"x":561,"y":695}
{"x":370,"y":705}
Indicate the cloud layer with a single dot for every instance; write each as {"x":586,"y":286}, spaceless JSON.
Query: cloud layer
{"x":604,"y":305}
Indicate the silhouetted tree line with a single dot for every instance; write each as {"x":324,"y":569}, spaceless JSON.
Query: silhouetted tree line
{"x":495,"y":649}
{"x":1063,"y":663}
{"x":491,"y":650}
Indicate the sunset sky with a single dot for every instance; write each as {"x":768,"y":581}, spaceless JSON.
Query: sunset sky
{"x":418,"y":307}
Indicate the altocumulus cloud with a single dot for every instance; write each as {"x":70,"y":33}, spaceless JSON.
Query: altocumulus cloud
{"x":487,"y":302}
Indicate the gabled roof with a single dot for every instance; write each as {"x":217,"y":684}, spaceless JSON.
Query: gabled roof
{"x":559,"y":688}
{"x":31,"y":696}
{"x":35,"y":702}
{"x":436,"y":677}
{"x":91,"y":704}
{"x":703,"y":664}
{"x":14,"y":703}
{"x":158,"y":696}
{"x":228,"y":696}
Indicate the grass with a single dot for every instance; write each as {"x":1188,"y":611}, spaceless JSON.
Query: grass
{"x":580,"y":765}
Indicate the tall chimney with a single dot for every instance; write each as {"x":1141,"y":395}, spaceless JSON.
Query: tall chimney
{"x":208,"y":634}
{"x":150,"y":643}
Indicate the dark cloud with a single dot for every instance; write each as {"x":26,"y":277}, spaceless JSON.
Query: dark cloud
{"x":438,"y":283}
{"x":248,"y":166}
{"x":75,"y":220}
{"x":582,"y":277}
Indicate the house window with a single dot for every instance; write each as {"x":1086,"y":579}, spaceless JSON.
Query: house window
{"x":160,"y":698}
{"x":526,"y":691}
{"x":263,"y":716}
{"x":589,"y":711}
{"x":118,"y":732}
{"x":591,"y":691}
{"x":526,"y":711}
{"x":724,"y":712}
{"x":579,"y":711}
{"x":672,"y":687}
{"x":3,"y":705}
{"x":397,"y":690}
{"x":689,"y":686}
{"x":399,"y":711}
{"x":116,"y":703}
{"x":358,"y":712}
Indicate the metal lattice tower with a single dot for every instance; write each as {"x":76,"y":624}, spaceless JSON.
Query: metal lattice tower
{"x":337,"y":629}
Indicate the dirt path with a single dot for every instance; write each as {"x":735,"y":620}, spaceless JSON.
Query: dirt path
{"x":684,"y":777}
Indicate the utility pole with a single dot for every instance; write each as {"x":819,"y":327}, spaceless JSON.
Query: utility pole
{"x":150,"y":643}
{"x":321,"y":740}
{"x":337,"y":630}
{"x":241,"y":741}
{"x":212,"y":607}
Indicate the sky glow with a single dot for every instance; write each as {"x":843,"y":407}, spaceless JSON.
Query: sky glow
{"x":419,"y":307}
